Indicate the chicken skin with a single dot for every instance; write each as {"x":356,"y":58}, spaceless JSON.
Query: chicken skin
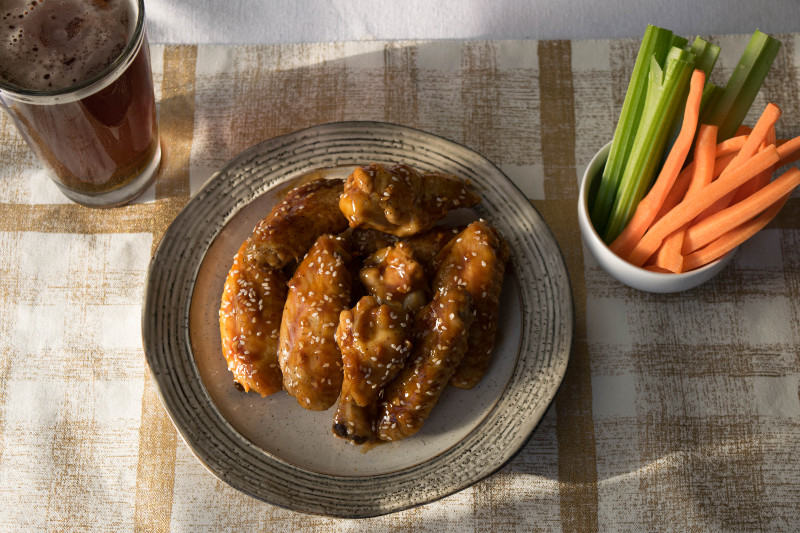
{"x":408,"y":399}
{"x":401,"y":201}
{"x":294,"y":224}
{"x":249,"y":319}
{"x":476,"y":261}
{"x":318,"y":292}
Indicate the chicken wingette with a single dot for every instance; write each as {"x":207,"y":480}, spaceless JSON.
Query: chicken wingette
{"x":250,"y":317}
{"x":319,"y":291}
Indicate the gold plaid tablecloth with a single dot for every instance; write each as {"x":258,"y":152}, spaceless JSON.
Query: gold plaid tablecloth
{"x":678,"y":412}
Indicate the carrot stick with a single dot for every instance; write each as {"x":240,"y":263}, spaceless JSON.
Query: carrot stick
{"x":759,"y":181}
{"x":649,"y":206}
{"x":705,"y":158}
{"x":729,"y":146}
{"x":789,"y":151}
{"x":743,"y":130}
{"x":688,"y":209}
{"x":669,"y":255}
{"x":713,"y":227}
{"x":765,"y":123}
{"x":725,"y":152}
{"x":761,"y":130}
{"x":678,"y":191}
{"x":733,"y":238}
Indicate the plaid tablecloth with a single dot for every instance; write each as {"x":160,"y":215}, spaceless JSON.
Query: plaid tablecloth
{"x":678,"y":412}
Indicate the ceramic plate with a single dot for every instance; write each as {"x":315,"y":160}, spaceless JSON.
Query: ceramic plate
{"x":274,"y":450}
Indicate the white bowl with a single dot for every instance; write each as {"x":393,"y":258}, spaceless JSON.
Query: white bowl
{"x":618,"y":268}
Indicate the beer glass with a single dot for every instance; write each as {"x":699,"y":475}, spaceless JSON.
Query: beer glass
{"x":79,"y":89}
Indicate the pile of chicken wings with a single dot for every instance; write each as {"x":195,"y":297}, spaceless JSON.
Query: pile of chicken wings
{"x":348,"y":291}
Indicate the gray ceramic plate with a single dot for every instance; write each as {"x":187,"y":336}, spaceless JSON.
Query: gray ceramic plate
{"x":278,"y":452}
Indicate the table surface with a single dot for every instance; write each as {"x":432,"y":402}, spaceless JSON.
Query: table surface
{"x":678,"y":412}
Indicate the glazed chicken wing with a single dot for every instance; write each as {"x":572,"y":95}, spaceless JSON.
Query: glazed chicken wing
{"x":476,"y":261}
{"x":373,"y":339}
{"x":375,"y":336}
{"x":408,"y":399}
{"x":318,"y":292}
{"x":401,"y":201}
{"x":383,"y":310}
{"x":249,"y":319}
{"x":294,"y":224}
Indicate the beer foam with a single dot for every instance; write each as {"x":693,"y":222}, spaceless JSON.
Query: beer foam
{"x":54,"y":44}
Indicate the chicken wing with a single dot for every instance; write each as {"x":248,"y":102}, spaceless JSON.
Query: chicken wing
{"x":249,"y":319}
{"x":392,"y":274}
{"x":475,"y":260}
{"x":294,"y":224}
{"x":400,"y":200}
{"x":318,"y":292}
{"x":373,"y":339}
{"x":375,"y":336}
{"x":408,"y":399}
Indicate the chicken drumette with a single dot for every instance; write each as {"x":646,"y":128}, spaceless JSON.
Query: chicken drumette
{"x":318,"y":292}
{"x":401,"y":201}
{"x":374,"y":344}
{"x":373,"y":339}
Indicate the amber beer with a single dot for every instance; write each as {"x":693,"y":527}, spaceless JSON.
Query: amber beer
{"x":75,"y":77}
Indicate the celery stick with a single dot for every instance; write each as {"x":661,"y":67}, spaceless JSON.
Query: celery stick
{"x":736,"y":98}
{"x":663,"y":102}
{"x":678,"y":42}
{"x":655,"y":44}
{"x":677,"y":120}
{"x":710,"y":95}
{"x":705,"y":54}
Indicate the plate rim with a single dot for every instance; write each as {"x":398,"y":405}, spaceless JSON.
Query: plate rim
{"x":147,"y":327}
